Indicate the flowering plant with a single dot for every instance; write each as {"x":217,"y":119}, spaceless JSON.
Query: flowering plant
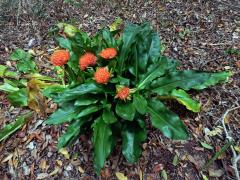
{"x":114,"y":81}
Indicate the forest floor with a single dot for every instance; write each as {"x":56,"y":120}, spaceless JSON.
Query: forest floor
{"x":203,"y":35}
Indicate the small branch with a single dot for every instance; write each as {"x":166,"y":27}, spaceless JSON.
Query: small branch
{"x":236,"y":157}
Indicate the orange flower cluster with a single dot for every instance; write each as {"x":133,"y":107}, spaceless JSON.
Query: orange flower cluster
{"x":60,"y":57}
{"x":86,"y":60}
{"x":102,"y":75}
{"x":123,"y":93}
{"x":108,"y":53}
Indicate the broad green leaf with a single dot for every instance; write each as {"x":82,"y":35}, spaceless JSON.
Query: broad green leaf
{"x":73,"y":62}
{"x":183,"y":98}
{"x":73,"y":130}
{"x":11,"y":74}
{"x":154,"y":71}
{"x":14,"y":126}
{"x":128,"y":38}
{"x":41,"y":77}
{"x":26,"y":66}
{"x":51,"y":91}
{"x":19,"y":98}
{"x":125,"y":110}
{"x":64,"y":43}
{"x":86,"y":100}
{"x":2,"y":70}
{"x":6,"y":87}
{"x":103,"y":143}
{"x":188,"y":79}
{"x":18,"y":54}
{"x":166,"y":121}
{"x":88,"y":110}
{"x":140,"y":103}
{"x":108,"y":38}
{"x":62,"y":115}
{"x":132,"y":136}
{"x":108,"y":116}
{"x":74,"y":93}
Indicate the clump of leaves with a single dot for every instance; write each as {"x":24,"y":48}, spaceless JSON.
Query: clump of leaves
{"x":115,"y":80}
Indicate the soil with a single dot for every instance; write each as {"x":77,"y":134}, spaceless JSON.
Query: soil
{"x":197,"y":33}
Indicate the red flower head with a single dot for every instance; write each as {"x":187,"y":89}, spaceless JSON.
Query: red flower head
{"x":108,"y":53}
{"x":102,"y":75}
{"x":60,"y":57}
{"x":123,"y":93}
{"x":88,"y":59}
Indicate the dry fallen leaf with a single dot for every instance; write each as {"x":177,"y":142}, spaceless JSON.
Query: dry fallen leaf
{"x":121,"y":176}
{"x":238,"y":63}
{"x":65,"y":153}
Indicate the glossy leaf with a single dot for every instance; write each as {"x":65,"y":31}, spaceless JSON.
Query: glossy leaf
{"x":82,"y":89}
{"x":86,"y":100}
{"x":64,"y":43}
{"x":103,"y":142}
{"x":183,"y":98}
{"x":125,"y":110}
{"x":132,"y":136}
{"x":128,"y":38}
{"x":166,"y":121}
{"x":14,"y":126}
{"x":19,"y":98}
{"x":73,"y":130}
{"x":187,"y":80}
{"x":51,"y":91}
{"x":6,"y":87}
{"x":108,"y":116}
{"x":88,"y":110}
{"x":154,"y":71}
{"x":140,"y":103}
{"x":62,"y":115}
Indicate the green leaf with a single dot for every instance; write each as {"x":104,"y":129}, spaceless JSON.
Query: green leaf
{"x":74,"y":93}
{"x":64,"y":43}
{"x":62,"y":115}
{"x":26,"y":66}
{"x":154,"y":71}
{"x":132,"y":136}
{"x":186,"y":80}
{"x":103,"y":143}
{"x":88,"y":110}
{"x":19,"y":98}
{"x":207,"y":146}
{"x":51,"y":91}
{"x":14,"y":126}
{"x":73,"y":130}
{"x":2,"y":70}
{"x":166,"y":121}
{"x":108,"y":116}
{"x":183,"y":98}
{"x":85,"y":100}
{"x":140,"y":103}
{"x":11,"y":74}
{"x":18,"y":54}
{"x":128,"y":38}
{"x":6,"y":87}
{"x":108,"y":38}
{"x":125,"y":110}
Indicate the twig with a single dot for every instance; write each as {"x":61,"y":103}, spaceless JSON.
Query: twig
{"x":236,"y":157}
